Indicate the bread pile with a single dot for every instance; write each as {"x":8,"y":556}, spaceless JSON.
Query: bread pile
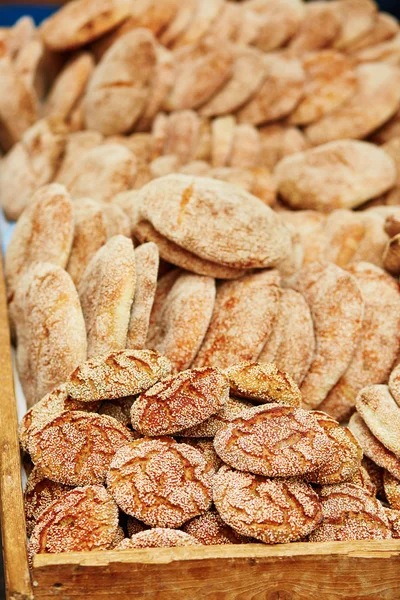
{"x":202,"y":276}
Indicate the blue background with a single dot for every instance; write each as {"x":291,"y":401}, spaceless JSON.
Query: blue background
{"x":9,"y":14}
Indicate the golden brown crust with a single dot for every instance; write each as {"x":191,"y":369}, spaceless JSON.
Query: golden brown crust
{"x":330,"y":81}
{"x":120,"y":374}
{"x":279,"y":93}
{"x":392,"y":490}
{"x":337,"y":309}
{"x":350,"y":513}
{"x":393,"y":517}
{"x":18,"y":103}
{"x":90,"y":235}
{"x":43,"y":233}
{"x":209,"y":428}
{"x":101,"y":173}
{"x":120,"y":85}
{"x":69,"y":86}
{"x":263,"y":383}
{"x":375,"y":474}
{"x":206,"y":447}
{"x":379,"y":342}
{"x":202,"y":71}
{"x":345,"y":456}
{"x":160,"y":482}
{"x":158,"y":538}
{"x":183,"y":319}
{"x":242,"y":320}
{"x":275,"y":441}
{"x":215,"y":221}
{"x":39,"y":494}
{"x":30,"y":164}
{"x":373,"y":448}
{"x":118,"y":409}
{"x":50,"y":329}
{"x":376,"y":100}
{"x":92,"y":518}
{"x":291,"y":344}
{"x":164,"y":286}
{"x":270,"y":510}
{"x":82,"y":21}
{"x":76,"y":448}
{"x":176,"y":255}
{"x":50,"y":406}
{"x":146,"y":263}
{"x":180,"y":401}
{"x":381,"y":414}
{"x":247,"y":77}
{"x":209,"y":529}
{"x":362,"y":171}
{"x":106,"y":291}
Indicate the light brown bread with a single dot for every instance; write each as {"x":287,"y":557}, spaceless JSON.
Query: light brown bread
{"x":106,"y":291}
{"x":277,"y":510}
{"x":279,"y":94}
{"x":82,"y":21}
{"x":362,"y":171}
{"x":379,"y":341}
{"x":69,"y":86}
{"x":262,"y":383}
{"x":76,"y":447}
{"x":375,"y":102}
{"x":146,"y":264}
{"x":50,"y":329}
{"x":183,"y":318}
{"x":43,"y":233}
{"x":90,"y":235}
{"x":30,"y":164}
{"x":118,"y":375}
{"x":373,"y":448}
{"x":103,"y":172}
{"x":120,"y":85}
{"x":180,"y":208}
{"x":350,"y":513}
{"x":93,"y":518}
{"x":242,"y":320}
{"x":337,"y":310}
{"x":376,"y":406}
{"x":345,"y":457}
{"x":274,"y":440}
{"x":291,"y":344}
{"x":180,"y":401}
{"x":177,"y":473}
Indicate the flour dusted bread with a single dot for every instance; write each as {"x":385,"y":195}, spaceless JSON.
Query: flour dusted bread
{"x":44,"y":233}
{"x":146,"y":263}
{"x":90,"y":234}
{"x":342,"y":174}
{"x":117,"y":375}
{"x":50,"y":329}
{"x":379,"y":342}
{"x":242,"y":320}
{"x":106,"y":292}
{"x":110,"y":107}
{"x":183,"y":319}
{"x":103,"y":172}
{"x":30,"y":164}
{"x":83,"y":21}
{"x":291,"y":344}
{"x":180,"y":207}
{"x":335,"y":300}
{"x":276,"y":510}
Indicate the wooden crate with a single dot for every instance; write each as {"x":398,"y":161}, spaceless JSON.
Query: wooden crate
{"x":299,"y":571}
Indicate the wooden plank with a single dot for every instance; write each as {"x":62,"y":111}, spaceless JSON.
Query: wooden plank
{"x":332,"y":571}
{"x":18,"y":586}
